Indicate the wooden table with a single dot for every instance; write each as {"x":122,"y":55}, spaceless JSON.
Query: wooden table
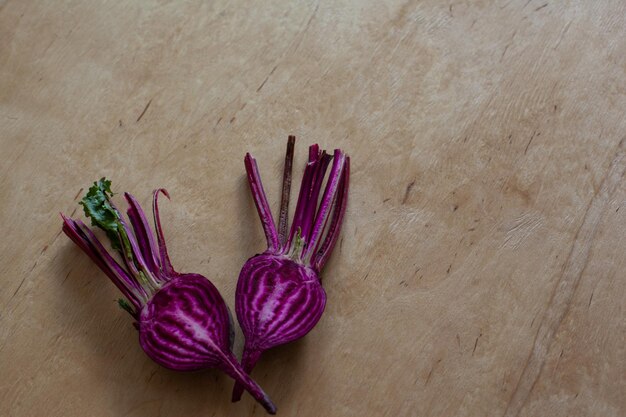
{"x":481,"y":268}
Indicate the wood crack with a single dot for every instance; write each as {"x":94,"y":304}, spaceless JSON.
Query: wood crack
{"x":306,"y":27}
{"x":265,"y":80}
{"x":297,"y":41}
{"x":567,"y":283}
{"x":145,"y":109}
{"x":407,"y":192}
{"x":32,"y":268}
{"x":563,"y":32}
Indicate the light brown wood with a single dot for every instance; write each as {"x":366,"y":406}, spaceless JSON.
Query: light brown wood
{"x":481,"y":265}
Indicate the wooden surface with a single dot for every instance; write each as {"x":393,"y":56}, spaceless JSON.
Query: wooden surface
{"x":481,"y":268}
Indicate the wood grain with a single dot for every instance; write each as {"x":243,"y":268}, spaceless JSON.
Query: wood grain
{"x":480,"y":270}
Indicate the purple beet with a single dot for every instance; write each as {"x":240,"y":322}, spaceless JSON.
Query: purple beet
{"x":279,"y":294}
{"x":183,"y":322}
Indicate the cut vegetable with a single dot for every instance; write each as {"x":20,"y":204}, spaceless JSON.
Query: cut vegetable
{"x":279,"y":294}
{"x":183,"y":322}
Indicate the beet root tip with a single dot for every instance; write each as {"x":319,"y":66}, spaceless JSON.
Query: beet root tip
{"x":248,"y":361}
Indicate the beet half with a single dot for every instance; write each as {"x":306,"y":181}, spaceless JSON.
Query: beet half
{"x":182,"y":320}
{"x":279,"y":295}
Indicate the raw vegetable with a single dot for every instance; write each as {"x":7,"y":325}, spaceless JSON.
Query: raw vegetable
{"x":182,"y":320}
{"x":279,"y":294}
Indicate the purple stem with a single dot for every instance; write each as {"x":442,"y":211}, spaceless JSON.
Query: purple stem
{"x":283,"y":217}
{"x":77,"y":232}
{"x":131,"y":264}
{"x":305,"y":187}
{"x":100,"y":249}
{"x":248,"y":360}
{"x":260,"y":200}
{"x":327,"y":201}
{"x":320,"y":258}
{"x":139,"y":265}
{"x":144,"y":235}
{"x":314,"y":193}
{"x":232,"y":368}
{"x":166,"y":265}
{"x":134,"y":261}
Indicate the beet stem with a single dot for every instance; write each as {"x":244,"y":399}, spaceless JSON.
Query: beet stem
{"x":132,"y":254}
{"x":129,"y":280}
{"x":305,"y":188}
{"x":313,"y":196}
{"x":134,"y":259}
{"x":103,"y":259}
{"x":283,"y":218}
{"x":260,"y":200}
{"x":322,"y":255}
{"x":143,"y":234}
{"x":126,"y":249}
{"x":327,"y":201}
{"x":166,"y":264}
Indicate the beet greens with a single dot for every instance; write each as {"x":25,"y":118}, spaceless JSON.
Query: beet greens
{"x":279,"y":295}
{"x":182,"y":320}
